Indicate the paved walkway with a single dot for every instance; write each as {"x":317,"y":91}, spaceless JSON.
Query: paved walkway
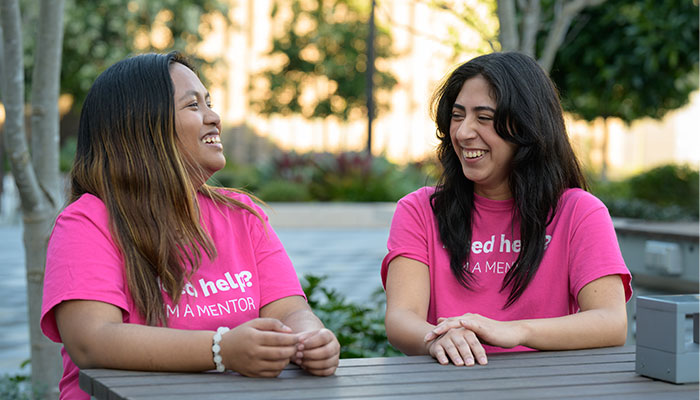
{"x":344,"y":246}
{"x":14,"y":335}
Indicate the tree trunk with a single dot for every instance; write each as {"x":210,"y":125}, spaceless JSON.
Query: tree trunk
{"x":531,"y":26}
{"x":563,"y":15}
{"x":508,"y":30}
{"x":2,"y":145}
{"x":37,"y":183}
{"x":45,"y":121}
{"x":604,"y":152}
{"x":46,"y":85}
{"x":369,"y":79}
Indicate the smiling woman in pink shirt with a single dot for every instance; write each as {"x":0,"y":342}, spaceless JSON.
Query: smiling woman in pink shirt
{"x":508,"y":252}
{"x":150,"y":268}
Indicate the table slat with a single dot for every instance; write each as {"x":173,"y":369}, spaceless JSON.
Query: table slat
{"x":605,"y":373}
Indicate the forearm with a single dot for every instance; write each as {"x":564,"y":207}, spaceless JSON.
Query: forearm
{"x":95,"y":337}
{"x":406,"y":331}
{"x":407,"y":300}
{"x":138,"y":347}
{"x":587,"y":329}
{"x":601,"y":322}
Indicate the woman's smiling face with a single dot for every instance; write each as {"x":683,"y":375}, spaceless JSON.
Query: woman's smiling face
{"x":198,"y":126}
{"x":485,"y":156}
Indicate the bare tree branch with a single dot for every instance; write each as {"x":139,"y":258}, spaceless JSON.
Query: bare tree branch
{"x":467,"y":16}
{"x":386,"y":15}
{"x":14,"y":135}
{"x":409,"y":28}
{"x":508,"y":34}
{"x":45,"y":90}
{"x":563,"y":15}
{"x":531,"y":25}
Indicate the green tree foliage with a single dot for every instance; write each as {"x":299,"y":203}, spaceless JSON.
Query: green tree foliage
{"x":100,"y":33}
{"x":323,"y":46}
{"x":629,"y":59}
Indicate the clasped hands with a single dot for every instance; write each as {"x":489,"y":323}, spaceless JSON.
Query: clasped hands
{"x":459,"y":339}
{"x":264,"y":346}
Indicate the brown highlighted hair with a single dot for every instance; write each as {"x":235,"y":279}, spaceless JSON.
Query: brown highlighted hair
{"x":128,"y":156}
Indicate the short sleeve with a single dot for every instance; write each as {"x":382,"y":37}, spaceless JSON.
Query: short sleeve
{"x":82,"y":262}
{"x":595,"y":252}
{"x":408,"y":235}
{"x":278,"y":279}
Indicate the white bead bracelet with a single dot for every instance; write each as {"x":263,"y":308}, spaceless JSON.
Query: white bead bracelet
{"x":216,"y":348}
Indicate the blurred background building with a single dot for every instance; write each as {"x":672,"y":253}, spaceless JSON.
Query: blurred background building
{"x":422,"y":43}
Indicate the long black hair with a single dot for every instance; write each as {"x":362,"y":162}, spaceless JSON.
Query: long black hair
{"x":528,"y":114}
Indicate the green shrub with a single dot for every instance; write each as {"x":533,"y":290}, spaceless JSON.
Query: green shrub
{"x":641,"y":209}
{"x":18,"y":386}
{"x":355,"y":177}
{"x":348,"y":176}
{"x":667,"y":185}
{"x":610,"y":189}
{"x":237,"y":176}
{"x":279,"y":190}
{"x":292,"y":167}
{"x":665,"y":193}
{"x":359,"y":329}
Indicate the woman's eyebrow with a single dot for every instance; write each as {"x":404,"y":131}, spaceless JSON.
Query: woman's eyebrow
{"x":477,"y":108}
{"x":194,"y":93}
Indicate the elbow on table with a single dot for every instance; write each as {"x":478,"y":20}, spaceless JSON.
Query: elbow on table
{"x":404,"y":341}
{"x":403,"y":347}
{"x":391,"y":338}
{"x":615,"y":333}
{"x":391,"y":335}
{"x":618,"y":336}
{"x":82,"y":358}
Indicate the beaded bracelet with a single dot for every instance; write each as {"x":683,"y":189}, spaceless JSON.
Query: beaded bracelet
{"x":216,"y":348}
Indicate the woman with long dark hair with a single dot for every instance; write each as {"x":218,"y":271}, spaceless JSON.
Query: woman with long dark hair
{"x":508,"y":252}
{"x":150,"y":268}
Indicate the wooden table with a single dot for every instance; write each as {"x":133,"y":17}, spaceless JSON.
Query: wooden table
{"x":599,"y":373}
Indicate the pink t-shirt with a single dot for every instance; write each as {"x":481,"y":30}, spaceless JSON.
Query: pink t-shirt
{"x":581,"y":246}
{"x":251,"y":270}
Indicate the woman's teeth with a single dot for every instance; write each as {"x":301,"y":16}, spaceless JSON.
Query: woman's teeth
{"x":473,"y":153}
{"x":212,"y":139}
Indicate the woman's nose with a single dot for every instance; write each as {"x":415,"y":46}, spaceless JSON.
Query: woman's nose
{"x":213,"y":118}
{"x":466,"y":130}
